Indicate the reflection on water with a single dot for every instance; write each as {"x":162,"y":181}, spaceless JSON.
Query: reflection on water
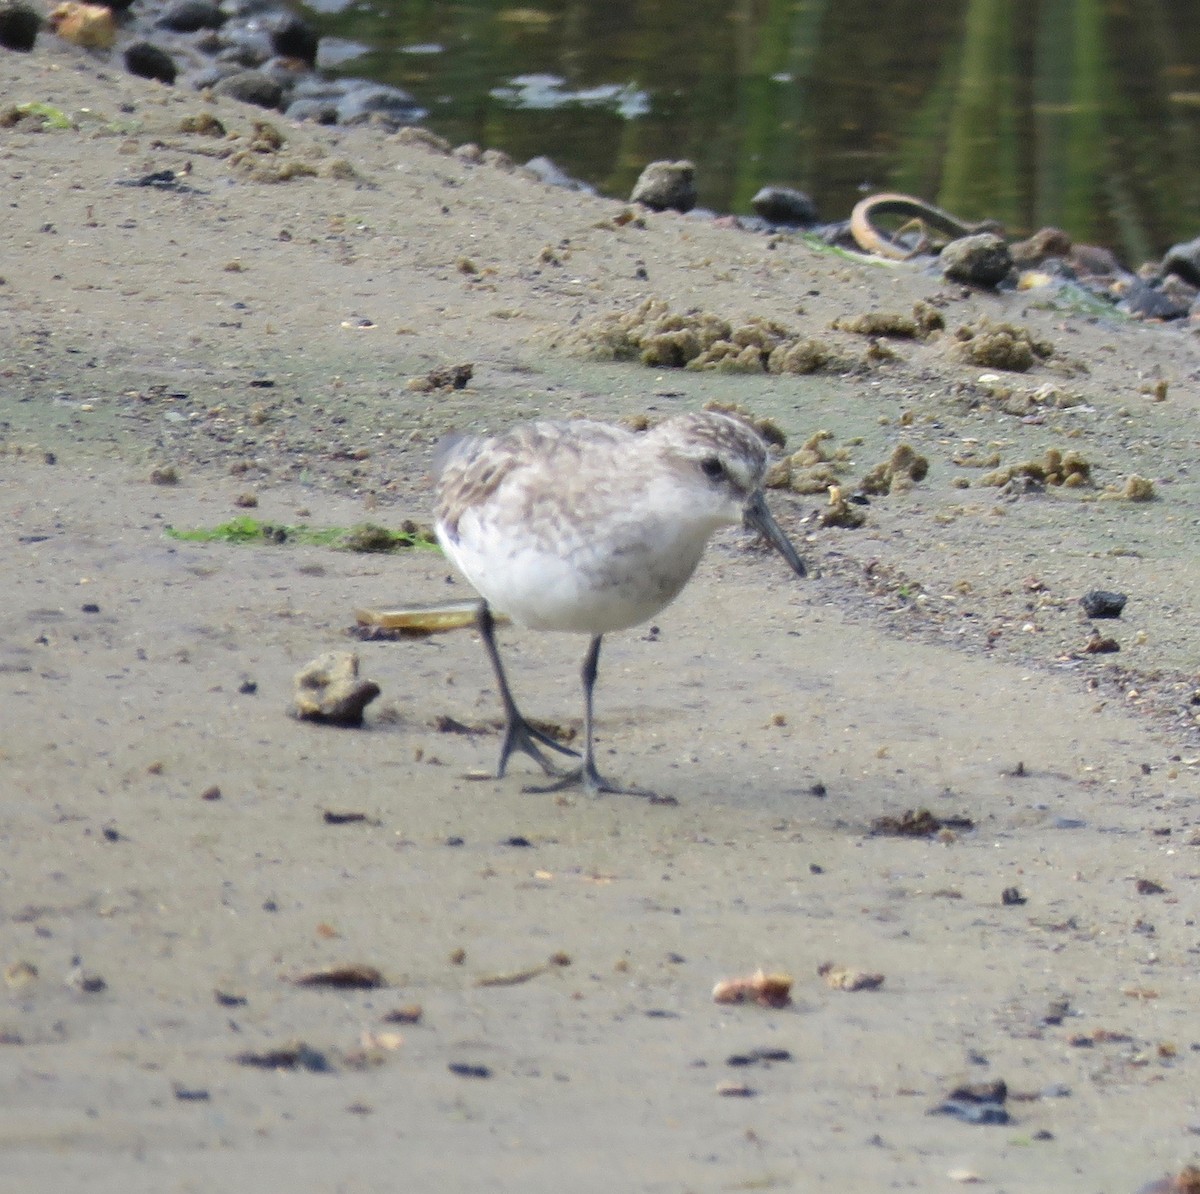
{"x":1080,"y":113}
{"x":549,"y":93}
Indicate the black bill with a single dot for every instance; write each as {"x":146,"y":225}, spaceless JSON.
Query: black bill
{"x":759,"y":517}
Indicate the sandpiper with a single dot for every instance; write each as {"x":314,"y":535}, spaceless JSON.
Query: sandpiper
{"x":587,"y":527}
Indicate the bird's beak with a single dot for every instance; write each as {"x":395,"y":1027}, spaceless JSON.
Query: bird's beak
{"x":759,"y":517}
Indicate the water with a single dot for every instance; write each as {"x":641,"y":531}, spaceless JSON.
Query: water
{"x":1080,"y":113}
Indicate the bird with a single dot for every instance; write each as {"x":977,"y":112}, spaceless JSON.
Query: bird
{"x":589,"y":528}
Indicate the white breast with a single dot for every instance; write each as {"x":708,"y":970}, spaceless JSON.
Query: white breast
{"x":588,"y":583}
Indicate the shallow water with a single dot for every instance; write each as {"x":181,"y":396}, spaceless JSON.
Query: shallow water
{"x":1079,"y":113}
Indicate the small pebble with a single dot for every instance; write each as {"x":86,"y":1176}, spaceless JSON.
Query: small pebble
{"x":972,"y":1113}
{"x":465,"y":1070}
{"x":735,"y":1090}
{"x":1099,"y":603}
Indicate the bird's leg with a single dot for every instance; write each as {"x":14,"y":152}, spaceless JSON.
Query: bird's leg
{"x":518,"y":733}
{"x":587,"y":776}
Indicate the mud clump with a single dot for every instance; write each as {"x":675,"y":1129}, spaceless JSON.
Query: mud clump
{"x":653,"y":334}
{"x":445,"y":377}
{"x":846,"y":978}
{"x":1069,"y":469}
{"x":814,"y":468}
{"x":262,"y":159}
{"x":917,"y":823}
{"x":800,"y":356}
{"x":1004,"y":346}
{"x":662,"y":339}
{"x":747,"y":349}
{"x":368,"y":537}
{"x":1138,"y":489}
{"x":759,"y":346}
{"x":1021,"y":401}
{"x":329,"y":691}
{"x":922,"y":323}
{"x":904,"y":468}
{"x":203,"y":124}
{"x":767,"y":990}
{"x":841,"y":512}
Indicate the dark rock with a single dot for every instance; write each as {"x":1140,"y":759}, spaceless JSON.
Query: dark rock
{"x":392,"y":105}
{"x":244,"y":54}
{"x":1184,"y":260}
{"x":251,"y":87}
{"x":287,"y":72}
{"x":666,"y":185}
{"x":210,"y":76}
{"x":466,"y":1070}
{"x":784,"y":205}
{"x":995,"y":1091}
{"x":1179,"y":291}
{"x":187,"y":16}
{"x":1098,"y":603}
{"x":315,"y":87}
{"x":319,"y":111}
{"x":19,"y":25}
{"x":972,"y":1113}
{"x":246,"y":40}
{"x":980,"y":260}
{"x":295,"y":38}
{"x":1144,"y":301}
{"x":976,"y":1103}
{"x":291,"y":1057}
{"x":149,"y":62}
{"x":1042,"y":245}
{"x":1094,"y":261}
{"x":838,"y":235}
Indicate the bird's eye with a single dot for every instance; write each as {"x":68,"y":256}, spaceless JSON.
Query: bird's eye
{"x":712,"y":468}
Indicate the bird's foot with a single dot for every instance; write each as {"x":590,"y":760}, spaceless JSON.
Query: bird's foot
{"x":592,"y":782}
{"x":519,"y":735}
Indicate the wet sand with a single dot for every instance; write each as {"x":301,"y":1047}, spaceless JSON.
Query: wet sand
{"x":935,"y":659}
